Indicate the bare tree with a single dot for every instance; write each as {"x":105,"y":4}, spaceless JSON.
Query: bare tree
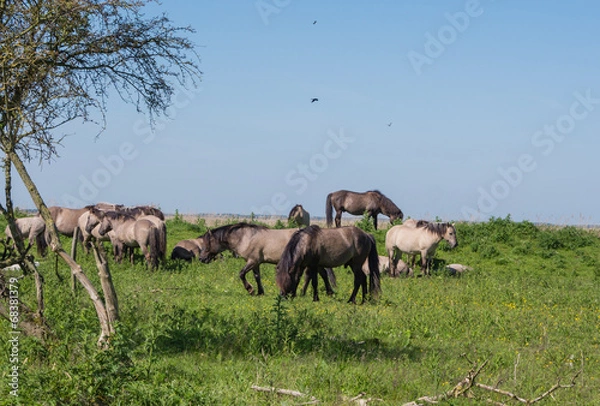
{"x":59,"y":61}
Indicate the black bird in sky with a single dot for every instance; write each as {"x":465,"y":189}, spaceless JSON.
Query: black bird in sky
{"x":389,"y":124}
{"x":314,"y":99}
{"x":314,"y":22}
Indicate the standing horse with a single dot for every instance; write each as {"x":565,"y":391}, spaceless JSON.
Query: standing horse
{"x":372,"y":202}
{"x":420,"y":239}
{"x":32,"y":229}
{"x":131,"y":232}
{"x":314,"y":248}
{"x":299,"y":216}
{"x":256,"y":244}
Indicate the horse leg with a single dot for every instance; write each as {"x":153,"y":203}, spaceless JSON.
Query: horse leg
{"x":424,"y":266}
{"x":374,"y":215}
{"x":256,"y":270}
{"x":338,"y":218}
{"x":243,"y":272}
{"x":315,"y":283}
{"x":306,"y":282}
{"x":359,"y":280}
{"x":325,"y":276}
{"x":393,"y":262}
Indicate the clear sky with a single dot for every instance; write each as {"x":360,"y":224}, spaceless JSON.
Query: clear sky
{"x":455,"y":109}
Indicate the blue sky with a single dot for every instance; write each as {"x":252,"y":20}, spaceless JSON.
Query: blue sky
{"x":494,"y":109}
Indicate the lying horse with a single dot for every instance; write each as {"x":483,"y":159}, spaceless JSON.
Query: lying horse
{"x":372,"y":202}
{"x":34,"y":230}
{"x":422,"y":239}
{"x":299,"y":217}
{"x":314,"y":248}
{"x":188,"y":249}
{"x":256,"y":244}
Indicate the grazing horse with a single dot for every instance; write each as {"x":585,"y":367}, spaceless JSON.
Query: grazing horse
{"x":299,"y":216}
{"x":256,"y":244}
{"x":421,"y":239}
{"x":314,"y":248}
{"x":188,"y":249}
{"x":32,"y":229}
{"x":372,"y":202}
{"x":131,"y":232}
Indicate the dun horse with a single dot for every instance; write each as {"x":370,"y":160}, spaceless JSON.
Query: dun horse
{"x":314,"y":248}
{"x":299,"y":216}
{"x":34,"y":230}
{"x":256,"y":244}
{"x":420,"y":239}
{"x":188,"y":249}
{"x":372,"y":202}
{"x":131,"y":232}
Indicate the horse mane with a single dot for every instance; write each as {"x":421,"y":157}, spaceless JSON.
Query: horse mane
{"x":422,"y":223}
{"x":144,"y":210}
{"x":222,"y":233}
{"x":293,"y":210}
{"x":116,"y":215}
{"x":435,"y":228}
{"x":290,"y":253}
{"x":386,"y":204}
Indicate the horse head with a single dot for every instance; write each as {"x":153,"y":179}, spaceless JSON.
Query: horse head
{"x":450,"y":235}
{"x":105,"y":225}
{"x":209,"y":249}
{"x":396,"y":215}
{"x":93,"y":219}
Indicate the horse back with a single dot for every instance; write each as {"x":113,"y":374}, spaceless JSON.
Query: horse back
{"x":264,"y":245}
{"x":339,"y":246}
{"x":410,"y":239}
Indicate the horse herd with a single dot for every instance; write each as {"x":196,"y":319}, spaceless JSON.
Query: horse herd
{"x":308,"y":250}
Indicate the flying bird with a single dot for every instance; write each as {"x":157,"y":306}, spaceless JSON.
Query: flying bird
{"x":389,"y":124}
{"x":314,"y":99}
{"x":314,"y":22}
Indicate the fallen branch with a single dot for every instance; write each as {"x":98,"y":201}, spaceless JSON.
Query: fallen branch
{"x":283,"y":392}
{"x":363,"y":401}
{"x":464,"y":386}
{"x":532,"y":401}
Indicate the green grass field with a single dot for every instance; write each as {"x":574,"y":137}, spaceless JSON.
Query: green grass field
{"x":191,"y":335}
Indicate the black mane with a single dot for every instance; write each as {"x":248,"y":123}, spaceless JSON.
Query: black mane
{"x":221,"y":234}
{"x":435,"y":228}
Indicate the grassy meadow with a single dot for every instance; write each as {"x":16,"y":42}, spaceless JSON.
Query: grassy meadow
{"x":191,"y":335}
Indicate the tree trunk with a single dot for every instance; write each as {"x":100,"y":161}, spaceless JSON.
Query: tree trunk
{"x":106,"y":327}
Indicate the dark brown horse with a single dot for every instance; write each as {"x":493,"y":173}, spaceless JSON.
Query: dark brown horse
{"x":313,"y":248}
{"x":256,"y":244}
{"x":372,"y":202}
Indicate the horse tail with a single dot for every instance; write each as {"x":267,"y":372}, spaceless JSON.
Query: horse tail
{"x":163,"y":241}
{"x":329,"y":210}
{"x":331,"y":277}
{"x":374,"y":277}
{"x":154,"y":243}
